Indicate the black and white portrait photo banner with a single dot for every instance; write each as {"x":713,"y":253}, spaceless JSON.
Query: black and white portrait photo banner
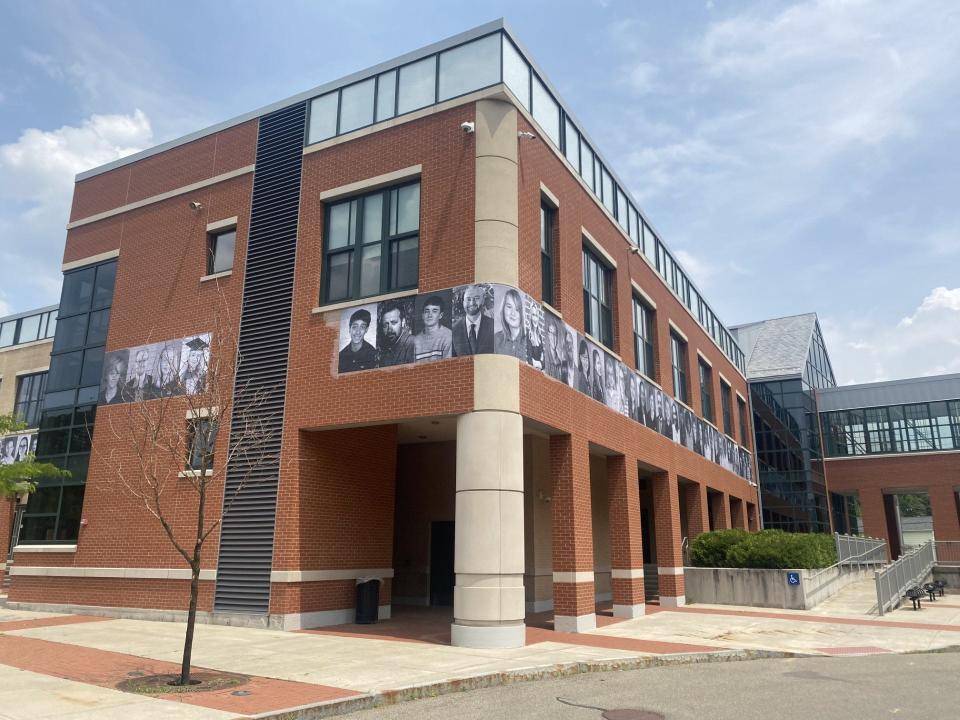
{"x":499,"y":319}
{"x":162,"y":369}
{"x":16,"y":447}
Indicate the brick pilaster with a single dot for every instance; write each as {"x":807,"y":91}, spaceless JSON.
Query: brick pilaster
{"x":946,"y":516}
{"x":573,"y":587}
{"x":666,"y":504}
{"x":626,"y":542}
{"x":698,"y":512}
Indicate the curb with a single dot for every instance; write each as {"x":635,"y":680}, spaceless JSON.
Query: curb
{"x":329,"y":708}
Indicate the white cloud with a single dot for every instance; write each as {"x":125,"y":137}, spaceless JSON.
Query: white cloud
{"x":926,"y":342}
{"x":44,"y":62}
{"x":642,"y":76}
{"x":36,"y":184}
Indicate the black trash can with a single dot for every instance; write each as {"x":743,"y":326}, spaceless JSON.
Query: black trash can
{"x":368,"y":600}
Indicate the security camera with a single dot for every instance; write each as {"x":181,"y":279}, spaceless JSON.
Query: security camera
{"x":195,"y":205}
{"x":468,"y":127}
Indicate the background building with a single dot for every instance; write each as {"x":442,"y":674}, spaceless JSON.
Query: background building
{"x":886,"y":439}
{"x":25,"y":343}
{"x":787,"y":362}
{"x":492,"y":384}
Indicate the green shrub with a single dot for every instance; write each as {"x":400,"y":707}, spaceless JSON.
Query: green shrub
{"x":710,"y":549}
{"x":764,"y":549}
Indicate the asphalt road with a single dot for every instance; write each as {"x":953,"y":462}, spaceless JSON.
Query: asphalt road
{"x":854,"y":688}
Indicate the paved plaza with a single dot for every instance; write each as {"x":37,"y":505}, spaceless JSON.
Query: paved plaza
{"x":68,"y":666}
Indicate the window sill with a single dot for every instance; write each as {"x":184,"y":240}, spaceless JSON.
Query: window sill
{"x":650,"y":380}
{"x":216,"y":276}
{"x":552,"y":309}
{"x":194,"y":473}
{"x":600,"y":345}
{"x":46,"y":548}
{"x":363,"y":301}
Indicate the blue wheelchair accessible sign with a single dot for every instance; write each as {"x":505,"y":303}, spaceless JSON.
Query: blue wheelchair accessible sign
{"x":793,"y":578}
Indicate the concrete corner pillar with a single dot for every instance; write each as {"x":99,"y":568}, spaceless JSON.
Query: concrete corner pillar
{"x":574,"y":603}
{"x":488,"y":598}
{"x":626,"y":541}
{"x":496,"y":223}
{"x":666,"y":503}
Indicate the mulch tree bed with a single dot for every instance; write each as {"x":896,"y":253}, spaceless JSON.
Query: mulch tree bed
{"x":199,"y":682}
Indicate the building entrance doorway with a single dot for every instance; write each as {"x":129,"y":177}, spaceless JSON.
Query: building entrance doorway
{"x":442,"y":577}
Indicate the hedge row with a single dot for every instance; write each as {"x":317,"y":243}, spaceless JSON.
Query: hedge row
{"x":764,"y":549}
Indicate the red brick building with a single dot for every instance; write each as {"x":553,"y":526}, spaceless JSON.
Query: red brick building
{"x":491,"y":384}
{"x":885,"y":439}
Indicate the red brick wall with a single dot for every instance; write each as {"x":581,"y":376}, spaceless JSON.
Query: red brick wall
{"x":207,"y":157}
{"x":111,"y":592}
{"x":158,"y":296}
{"x":938,"y":474}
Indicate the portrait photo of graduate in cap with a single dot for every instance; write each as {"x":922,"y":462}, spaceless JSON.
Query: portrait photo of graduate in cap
{"x":194,"y":361}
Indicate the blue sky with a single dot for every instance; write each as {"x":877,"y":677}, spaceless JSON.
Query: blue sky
{"x":796,"y":156}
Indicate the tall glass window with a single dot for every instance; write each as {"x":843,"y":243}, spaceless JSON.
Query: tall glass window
{"x":678,"y":360}
{"x":597,"y":280}
{"x":386,"y":95}
{"x":548,"y":219}
{"x":30,"y":392}
{"x":706,"y":391}
{"x":725,"y":399}
{"x":372,"y":243}
{"x":643,"y":337}
{"x":742,"y":414}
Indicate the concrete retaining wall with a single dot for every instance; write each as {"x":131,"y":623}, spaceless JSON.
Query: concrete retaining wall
{"x":950,"y":574}
{"x":767,"y":588}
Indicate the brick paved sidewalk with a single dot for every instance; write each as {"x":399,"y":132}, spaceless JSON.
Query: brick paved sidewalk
{"x":406,"y":657}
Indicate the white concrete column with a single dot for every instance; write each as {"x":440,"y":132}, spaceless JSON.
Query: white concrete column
{"x":488,"y":599}
{"x":496,"y":206}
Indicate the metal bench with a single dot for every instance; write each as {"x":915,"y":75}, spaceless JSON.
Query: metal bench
{"x":940,"y":585}
{"x":916,"y":595}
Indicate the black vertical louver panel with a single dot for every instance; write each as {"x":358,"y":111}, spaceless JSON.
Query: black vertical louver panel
{"x":250,"y":507}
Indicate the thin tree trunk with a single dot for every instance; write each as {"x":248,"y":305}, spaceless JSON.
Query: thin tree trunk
{"x":191,"y":622}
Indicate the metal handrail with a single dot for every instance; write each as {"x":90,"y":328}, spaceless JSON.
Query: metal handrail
{"x":873,"y":551}
{"x":897,"y":577}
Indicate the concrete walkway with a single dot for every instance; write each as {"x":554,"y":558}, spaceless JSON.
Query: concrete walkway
{"x":68,"y":666}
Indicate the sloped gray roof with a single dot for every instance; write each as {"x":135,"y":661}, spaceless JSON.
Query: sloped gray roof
{"x":778,"y":347}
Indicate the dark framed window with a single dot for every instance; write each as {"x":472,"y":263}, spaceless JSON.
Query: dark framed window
{"x":30,"y":392}
{"x":706,"y":390}
{"x":742,"y":412}
{"x":678,"y":359}
{"x":202,"y":437}
{"x":220,"y":249}
{"x":548,"y":224}
{"x":372,"y":243}
{"x":725,"y":399}
{"x":643,"y":337}
{"x":597,"y":282}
